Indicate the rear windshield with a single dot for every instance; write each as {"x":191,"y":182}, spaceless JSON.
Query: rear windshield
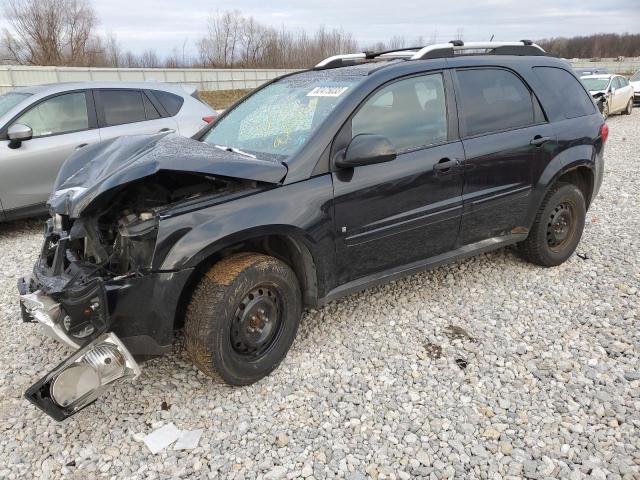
{"x":10,"y":100}
{"x":595,"y":84}
{"x":279,"y":119}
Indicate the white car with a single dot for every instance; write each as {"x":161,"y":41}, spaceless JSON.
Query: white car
{"x":635,"y":83}
{"x":616,"y":90}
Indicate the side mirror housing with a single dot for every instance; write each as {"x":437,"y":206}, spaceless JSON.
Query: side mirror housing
{"x":19,"y":133}
{"x":367,"y":149}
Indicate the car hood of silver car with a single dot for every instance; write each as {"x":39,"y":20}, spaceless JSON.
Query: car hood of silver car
{"x":99,"y":168}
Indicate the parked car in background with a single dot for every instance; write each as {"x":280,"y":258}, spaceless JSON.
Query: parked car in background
{"x":41,"y":126}
{"x":582,"y":72}
{"x":635,"y":83}
{"x":613,"y":93}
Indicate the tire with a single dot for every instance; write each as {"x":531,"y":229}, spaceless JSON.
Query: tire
{"x":557,"y":228}
{"x":629,"y":109}
{"x":242,"y":318}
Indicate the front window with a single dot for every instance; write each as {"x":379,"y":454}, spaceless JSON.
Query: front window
{"x":595,"y":84}
{"x":410,"y":113}
{"x":61,"y":114}
{"x":279,"y":119}
{"x":10,"y":100}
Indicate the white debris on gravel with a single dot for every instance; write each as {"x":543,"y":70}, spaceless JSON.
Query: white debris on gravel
{"x":543,"y":383}
{"x":161,"y":438}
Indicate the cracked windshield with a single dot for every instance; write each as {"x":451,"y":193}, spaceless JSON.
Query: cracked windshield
{"x":279,"y":119}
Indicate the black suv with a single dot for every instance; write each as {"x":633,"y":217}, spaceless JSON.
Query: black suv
{"x":364,"y":169}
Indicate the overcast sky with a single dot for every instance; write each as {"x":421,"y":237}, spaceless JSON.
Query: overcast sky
{"x":163,"y":24}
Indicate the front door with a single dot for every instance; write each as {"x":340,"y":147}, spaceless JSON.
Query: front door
{"x":61,"y":125}
{"x":392,"y":214}
{"x":506,"y":141}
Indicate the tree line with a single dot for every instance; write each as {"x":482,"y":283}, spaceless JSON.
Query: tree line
{"x":64,"y":33}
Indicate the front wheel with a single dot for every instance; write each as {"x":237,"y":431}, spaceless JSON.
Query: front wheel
{"x":629,"y":109}
{"x":557,"y":228}
{"x":242,"y":318}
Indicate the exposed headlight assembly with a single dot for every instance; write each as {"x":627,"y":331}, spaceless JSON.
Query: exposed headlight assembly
{"x":83,"y":377}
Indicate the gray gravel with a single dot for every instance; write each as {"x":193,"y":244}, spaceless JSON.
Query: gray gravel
{"x":537,"y":376}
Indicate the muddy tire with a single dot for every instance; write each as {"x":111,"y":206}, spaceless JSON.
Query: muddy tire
{"x":242,"y":318}
{"x":557,"y":228}
{"x":629,"y":109}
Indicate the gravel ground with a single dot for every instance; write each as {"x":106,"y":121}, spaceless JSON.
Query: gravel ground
{"x":489,"y":368}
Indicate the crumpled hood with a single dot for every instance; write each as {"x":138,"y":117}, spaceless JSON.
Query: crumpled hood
{"x":104,"y":166}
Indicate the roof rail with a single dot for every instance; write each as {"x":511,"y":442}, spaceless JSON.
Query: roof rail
{"x":443,"y":50}
{"x":440,"y":50}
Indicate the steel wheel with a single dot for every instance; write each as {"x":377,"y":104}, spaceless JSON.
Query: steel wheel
{"x":561,"y":226}
{"x":257,"y":321}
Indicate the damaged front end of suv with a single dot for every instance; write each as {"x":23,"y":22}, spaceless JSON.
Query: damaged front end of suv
{"x":98,"y":285}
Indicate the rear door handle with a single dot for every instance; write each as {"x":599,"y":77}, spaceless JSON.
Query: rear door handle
{"x":539,"y":140}
{"x":163,"y":130}
{"x":445,"y":165}
{"x":81,"y":146}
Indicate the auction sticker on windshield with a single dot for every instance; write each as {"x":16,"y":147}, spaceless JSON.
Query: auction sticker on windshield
{"x":327,"y":91}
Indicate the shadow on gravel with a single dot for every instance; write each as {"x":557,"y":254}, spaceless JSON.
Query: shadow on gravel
{"x":21,"y":226}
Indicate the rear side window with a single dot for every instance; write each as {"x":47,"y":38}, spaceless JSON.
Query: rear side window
{"x":568,"y":92}
{"x":493,"y":100}
{"x":122,"y":106}
{"x":172,"y":103}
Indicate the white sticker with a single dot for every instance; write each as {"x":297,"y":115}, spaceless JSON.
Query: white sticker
{"x":327,"y":91}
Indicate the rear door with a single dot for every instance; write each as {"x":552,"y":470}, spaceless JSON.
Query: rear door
{"x":129,"y":112}
{"x":61,"y":124}
{"x":392,"y":214}
{"x":506,"y":139}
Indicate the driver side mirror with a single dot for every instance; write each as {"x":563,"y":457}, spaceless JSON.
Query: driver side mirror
{"x":367,"y":149}
{"x":19,"y":133}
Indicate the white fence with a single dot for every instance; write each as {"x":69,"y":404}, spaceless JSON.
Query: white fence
{"x":626,"y":65}
{"x":204,"y":79}
{"x":12,"y":76}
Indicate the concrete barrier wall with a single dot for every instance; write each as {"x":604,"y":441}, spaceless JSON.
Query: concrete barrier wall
{"x":204,"y":79}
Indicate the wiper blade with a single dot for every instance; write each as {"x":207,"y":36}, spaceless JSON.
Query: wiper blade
{"x":235,"y":150}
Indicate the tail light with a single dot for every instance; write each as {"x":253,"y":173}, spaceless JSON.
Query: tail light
{"x":604,"y":132}
{"x":209,"y":118}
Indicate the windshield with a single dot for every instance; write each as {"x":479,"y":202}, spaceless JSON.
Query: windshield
{"x":10,"y":100}
{"x":277,"y":120}
{"x":635,"y":77}
{"x":595,"y":84}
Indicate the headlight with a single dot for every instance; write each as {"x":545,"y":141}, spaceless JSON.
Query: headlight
{"x":83,"y":377}
{"x":58,"y":223}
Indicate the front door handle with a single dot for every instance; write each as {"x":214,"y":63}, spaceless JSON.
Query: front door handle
{"x":81,"y":146}
{"x":445,"y":165}
{"x":162,"y":130}
{"x":539,"y":140}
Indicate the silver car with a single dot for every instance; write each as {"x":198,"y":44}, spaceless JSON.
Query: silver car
{"x":41,"y":126}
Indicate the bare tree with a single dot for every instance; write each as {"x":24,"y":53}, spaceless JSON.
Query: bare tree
{"x":49,"y":32}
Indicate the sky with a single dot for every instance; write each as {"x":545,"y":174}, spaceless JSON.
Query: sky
{"x":164,"y":24}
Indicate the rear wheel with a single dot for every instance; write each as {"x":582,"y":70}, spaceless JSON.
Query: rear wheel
{"x":629,"y":109}
{"x":242,"y":318}
{"x":557,"y":228}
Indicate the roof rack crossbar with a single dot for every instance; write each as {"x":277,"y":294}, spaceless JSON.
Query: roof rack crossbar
{"x":439,"y":50}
